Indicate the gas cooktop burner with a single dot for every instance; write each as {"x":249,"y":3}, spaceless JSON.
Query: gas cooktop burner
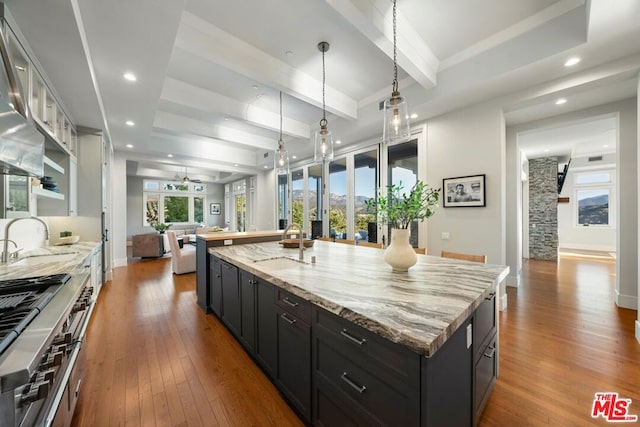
{"x":39,"y":283}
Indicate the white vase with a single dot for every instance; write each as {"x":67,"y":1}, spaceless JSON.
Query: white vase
{"x":400,"y":254}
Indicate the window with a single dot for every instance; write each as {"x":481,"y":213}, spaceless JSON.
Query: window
{"x":315,"y":193}
{"x":297,"y":198}
{"x":338,"y":199}
{"x":593,"y":192}
{"x":365,"y":184}
{"x":173,"y":202}
{"x":283,"y":188}
{"x":403,"y":169}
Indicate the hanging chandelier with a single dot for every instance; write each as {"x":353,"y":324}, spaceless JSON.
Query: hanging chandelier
{"x":396,"y":118}
{"x":282,"y":156}
{"x":323,"y":140}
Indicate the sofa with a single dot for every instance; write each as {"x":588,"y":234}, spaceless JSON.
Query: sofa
{"x":148,"y":245}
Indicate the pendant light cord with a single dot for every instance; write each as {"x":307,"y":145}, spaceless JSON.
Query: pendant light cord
{"x":395,"y":55}
{"x":280,"y":116}
{"x":323,"y":122}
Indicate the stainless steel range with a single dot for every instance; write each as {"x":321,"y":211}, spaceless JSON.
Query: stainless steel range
{"x":42,"y":326}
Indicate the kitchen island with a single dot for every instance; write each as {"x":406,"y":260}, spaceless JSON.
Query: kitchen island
{"x":348,"y":341}
{"x":223,"y":238}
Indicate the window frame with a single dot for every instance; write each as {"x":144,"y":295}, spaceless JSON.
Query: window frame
{"x":161,"y":192}
{"x":608,"y":186}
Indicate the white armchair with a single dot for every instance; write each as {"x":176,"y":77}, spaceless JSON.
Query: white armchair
{"x":182,"y":260}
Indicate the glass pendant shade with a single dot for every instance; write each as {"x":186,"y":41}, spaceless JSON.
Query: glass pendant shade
{"x":323,"y":145}
{"x":281,"y":160}
{"x":396,"y":119}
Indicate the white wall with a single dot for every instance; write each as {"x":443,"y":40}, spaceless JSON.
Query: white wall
{"x":119,"y":211}
{"x":638,"y":200}
{"x":266,"y":199}
{"x":468,"y":142}
{"x":572,"y":236}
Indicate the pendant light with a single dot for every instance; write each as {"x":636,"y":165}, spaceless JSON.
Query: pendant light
{"x":282,"y":157}
{"x":324,"y":139}
{"x":396,"y":118}
{"x":186,"y":179}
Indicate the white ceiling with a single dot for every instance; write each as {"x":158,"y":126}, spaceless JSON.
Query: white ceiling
{"x":209,"y":72}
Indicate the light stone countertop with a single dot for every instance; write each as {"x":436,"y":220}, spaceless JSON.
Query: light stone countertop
{"x":38,"y":262}
{"x":230,"y":235}
{"x":419,"y":309}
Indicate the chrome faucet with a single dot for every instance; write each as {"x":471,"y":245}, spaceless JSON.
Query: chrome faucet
{"x":5,"y":252}
{"x":284,"y":236}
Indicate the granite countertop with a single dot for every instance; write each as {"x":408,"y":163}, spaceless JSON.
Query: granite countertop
{"x":49,"y":260}
{"x":419,"y":309}
{"x":226,"y":235}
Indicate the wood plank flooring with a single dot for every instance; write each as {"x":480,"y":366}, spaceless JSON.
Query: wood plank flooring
{"x":154,"y":359}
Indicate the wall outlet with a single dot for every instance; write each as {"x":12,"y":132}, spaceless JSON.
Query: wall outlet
{"x":445,"y":235}
{"x":228,"y":242}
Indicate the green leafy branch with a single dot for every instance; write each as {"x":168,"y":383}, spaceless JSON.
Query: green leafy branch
{"x":400,"y":209}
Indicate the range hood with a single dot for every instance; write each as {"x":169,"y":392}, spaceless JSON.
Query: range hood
{"x":21,"y":144}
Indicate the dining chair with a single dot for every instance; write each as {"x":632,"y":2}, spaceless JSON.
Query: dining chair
{"x":370,"y":244}
{"x":346,"y":241}
{"x":183,"y":260}
{"x":420,"y":251}
{"x":465,"y":257}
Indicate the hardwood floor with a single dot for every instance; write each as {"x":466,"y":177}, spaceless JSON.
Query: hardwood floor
{"x":153,"y":357}
{"x":563,"y":339}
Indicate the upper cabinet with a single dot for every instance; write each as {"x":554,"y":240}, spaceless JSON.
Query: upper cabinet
{"x":61,"y":141}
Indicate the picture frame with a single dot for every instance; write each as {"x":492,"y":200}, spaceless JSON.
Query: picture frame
{"x":464,"y":191}
{"x":214,"y":209}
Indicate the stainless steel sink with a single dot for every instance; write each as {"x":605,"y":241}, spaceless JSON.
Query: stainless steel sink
{"x":280,"y":263}
{"x":45,"y":259}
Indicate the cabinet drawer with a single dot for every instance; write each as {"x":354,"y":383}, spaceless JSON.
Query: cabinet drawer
{"x":485,"y":320}
{"x":334,"y":408}
{"x":484,"y":375}
{"x":365,"y":348}
{"x":390,"y":402}
{"x":294,"y":305}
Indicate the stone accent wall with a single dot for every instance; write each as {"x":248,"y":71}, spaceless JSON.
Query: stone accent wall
{"x":543,"y":209}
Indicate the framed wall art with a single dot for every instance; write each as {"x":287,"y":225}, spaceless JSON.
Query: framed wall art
{"x":214,"y":208}
{"x":464,"y":191}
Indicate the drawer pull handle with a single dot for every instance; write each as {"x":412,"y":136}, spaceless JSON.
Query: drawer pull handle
{"x":289,"y":302}
{"x":359,"y":388}
{"x":351,"y":338}
{"x":491,"y":296}
{"x":490,"y":352}
{"x":287,"y":319}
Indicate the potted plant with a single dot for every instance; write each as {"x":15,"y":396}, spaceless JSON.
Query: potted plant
{"x":399,"y":209}
{"x":160,"y":227}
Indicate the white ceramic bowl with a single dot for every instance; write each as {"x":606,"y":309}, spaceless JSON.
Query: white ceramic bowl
{"x":69,"y":240}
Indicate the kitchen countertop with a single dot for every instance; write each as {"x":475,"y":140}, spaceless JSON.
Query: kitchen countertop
{"x":226,"y":235}
{"x":38,"y":262}
{"x":419,"y":309}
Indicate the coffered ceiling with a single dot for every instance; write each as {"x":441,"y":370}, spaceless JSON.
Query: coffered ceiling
{"x":209,"y":72}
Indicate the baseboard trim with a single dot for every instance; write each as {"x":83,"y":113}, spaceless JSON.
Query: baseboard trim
{"x":626,"y":301}
{"x":638,"y":330}
{"x":122,"y":262}
{"x":579,"y":246}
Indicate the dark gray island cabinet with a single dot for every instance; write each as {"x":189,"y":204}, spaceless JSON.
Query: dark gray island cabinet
{"x":335,"y":372}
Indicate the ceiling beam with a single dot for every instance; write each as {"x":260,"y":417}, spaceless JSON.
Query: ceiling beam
{"x":207,"y":41}
{"x":374,"y":19}
{"x":188,"y":126}
{"x":195,"y":97}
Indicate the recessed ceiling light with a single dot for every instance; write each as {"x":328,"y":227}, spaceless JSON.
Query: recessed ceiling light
{"x":338,"y":142}
{"x":129,"y":146}
{"x":289,"y":53}
{"x":572,"y":61}
{"x":226,"y":118}
{"x":605,"y":145}
{"x":561,"y":101}
{"x":130,"y":123}
{"x":414,"y":116}
{"x":169,"y":155}
{"x":546,"y":150}
{"x":236,"y":165}
{"x":255,"y":87}
{"x":294,"y":157}
{"x":266,"y":167}
{"x":130,"y":76}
